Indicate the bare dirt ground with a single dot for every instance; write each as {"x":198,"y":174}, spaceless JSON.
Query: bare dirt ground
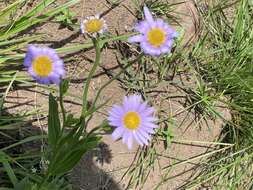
{"x":103,"y":169}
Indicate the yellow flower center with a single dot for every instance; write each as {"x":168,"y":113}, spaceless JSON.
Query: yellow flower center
{"x":42,"y":66}
{"x":132,"y":120}
{"x":93,"y":25}
{"x":156,"y":37}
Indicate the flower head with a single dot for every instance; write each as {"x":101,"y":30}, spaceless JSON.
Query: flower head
{"x":44,"y":65}
{"x":156,"y":37}
{"x":133,"y":120}
{"x":93,"y":26}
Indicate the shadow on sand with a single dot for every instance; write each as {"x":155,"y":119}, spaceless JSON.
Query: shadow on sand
{"x":88,"y":176}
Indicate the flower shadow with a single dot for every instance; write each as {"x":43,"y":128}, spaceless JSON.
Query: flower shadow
{"x":88,"y":175}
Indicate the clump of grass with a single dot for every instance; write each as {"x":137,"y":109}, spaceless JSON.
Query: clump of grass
{"x":16,"y":160}
{"x":223,"y":58}
{"x":159,"y":8}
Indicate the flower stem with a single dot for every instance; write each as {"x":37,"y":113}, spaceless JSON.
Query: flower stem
{"x":91,"y":73}
{"x":130,"y":63}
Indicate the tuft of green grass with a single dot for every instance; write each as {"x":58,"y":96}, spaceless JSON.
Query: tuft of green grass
{"x":159,"y":8}
{"x":16,"y":19}
{"x":223,"y":58}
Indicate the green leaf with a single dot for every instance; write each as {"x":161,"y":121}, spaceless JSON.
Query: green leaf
{"x":54,"y":126}
{"x":31,"y":19}
{"x":64,"y":86}
{"x":24,"y":184}
{"x":72,"y":155}
{"x":1,"y":105}
{"x":4,"y":159}
{"x":26,"y":140}
{"x":39,"y":8}
{"x":66,"y":16}
{"x":6,"y":13}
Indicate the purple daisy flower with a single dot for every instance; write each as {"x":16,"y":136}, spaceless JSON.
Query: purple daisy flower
{"x":133,"y":120}
{"x":44,"y":65}
{"x":156,"y":37}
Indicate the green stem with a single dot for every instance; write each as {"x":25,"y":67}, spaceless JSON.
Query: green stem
{"x":91,"y":73}
{"x":62,"y":108}
{"x":130,"y":63}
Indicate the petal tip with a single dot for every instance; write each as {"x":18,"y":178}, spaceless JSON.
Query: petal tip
{"x":148,"y":14}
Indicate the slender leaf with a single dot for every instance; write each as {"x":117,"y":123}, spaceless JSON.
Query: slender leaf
{"x":54,"y":126}
{"x":8,"y":169}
